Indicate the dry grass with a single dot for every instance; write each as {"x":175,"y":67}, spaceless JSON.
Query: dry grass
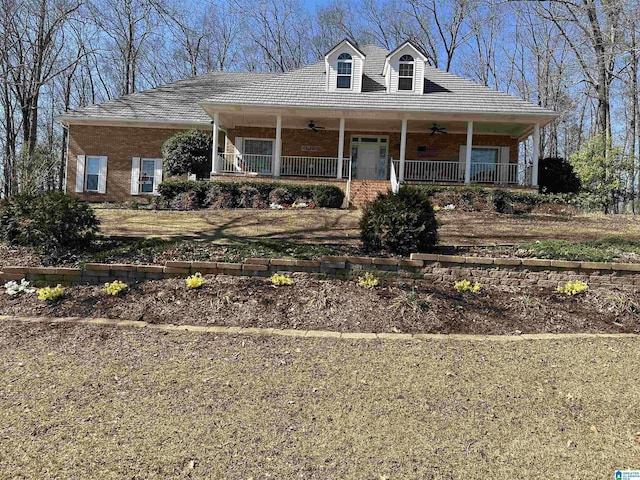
{"x":340,"y":226}
{"x":323,"y":226}
{"x":100,"y":402}
{"x":465,"y":228}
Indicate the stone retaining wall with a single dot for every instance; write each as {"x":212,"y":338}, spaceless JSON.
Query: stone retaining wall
{"x":439,"y":269}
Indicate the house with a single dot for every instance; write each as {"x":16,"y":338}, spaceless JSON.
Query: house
{"x":363,"y":113}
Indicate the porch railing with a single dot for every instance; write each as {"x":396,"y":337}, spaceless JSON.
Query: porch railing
{"x":295,"y":166}
{"x":246,"y":163}
{"x":447,"y":171}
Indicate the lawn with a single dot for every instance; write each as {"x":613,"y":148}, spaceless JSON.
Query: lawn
{"x":341,"y":227}
{"x":83,"y":401}
{"x":317,"y":226}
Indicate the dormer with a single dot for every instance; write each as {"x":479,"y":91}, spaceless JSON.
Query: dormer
{"x":404,"y":70}
{"x":344,"y":65}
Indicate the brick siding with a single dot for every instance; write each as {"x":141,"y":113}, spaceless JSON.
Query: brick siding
{"x":120,"y":144}
{"x":445,"y":147}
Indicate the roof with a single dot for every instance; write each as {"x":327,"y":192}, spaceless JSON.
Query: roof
{"x":351,"y":43}
{"x":412,"y":45}
{"x":181,"y":102}
{"x":176,"y":102}
{"x":444,"y":92}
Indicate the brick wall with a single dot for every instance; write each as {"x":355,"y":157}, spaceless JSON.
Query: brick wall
{"x":446,"y":147}
{"x":438,"y":269}
{"x":119,"y":145}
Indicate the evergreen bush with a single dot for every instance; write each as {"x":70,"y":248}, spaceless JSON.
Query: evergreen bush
{"x":52,"y":221}
{"x":188,"y":152}
{"x":399,"y":223}
{"x":556,"y":175}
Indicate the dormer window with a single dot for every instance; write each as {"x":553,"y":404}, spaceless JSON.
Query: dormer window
{"x":344,"y":70}
{"x":405,"y":73}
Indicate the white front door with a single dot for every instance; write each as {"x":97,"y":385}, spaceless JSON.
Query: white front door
{"x":368,"y":157}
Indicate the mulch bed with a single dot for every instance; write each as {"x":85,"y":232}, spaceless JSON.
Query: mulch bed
{"x":344,"y":306}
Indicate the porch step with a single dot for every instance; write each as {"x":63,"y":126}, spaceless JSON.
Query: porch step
{"x":363,"y":191}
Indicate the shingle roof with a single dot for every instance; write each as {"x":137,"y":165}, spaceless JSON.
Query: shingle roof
{"x":176,"y":102}
{"x":180,"y":102}
{"x":444,"y":92}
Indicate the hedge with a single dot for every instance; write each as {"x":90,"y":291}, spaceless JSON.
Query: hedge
{"x":188,"y":194}
{"x":508,"y":201}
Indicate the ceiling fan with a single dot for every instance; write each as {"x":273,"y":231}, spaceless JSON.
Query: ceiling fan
{"x":316,"y":128}
{"x":436,"y":129}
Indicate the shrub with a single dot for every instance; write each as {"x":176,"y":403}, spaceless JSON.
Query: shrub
{"x":221,"y":195}
{"x":399,"y":223}
{"x":369,"y":280}
{"x":464,"y":286}
{"x":280,"y":279}
{"x":195,"y":281}
{"x":185,"y":201}
{"x":188,"y":152}
{"x":170,"y":189}
{"x":573,"y":288}
{"x":556,"y":175}
{"x":15,"y":289}
{"x":50,"y":294}
{"x":249,"y":194}
{"x":280,"y":196}
{"x":51,"y":221}
{"x":115,"y":288}
{"x":328,"y":196}
{"x":249,"y":197}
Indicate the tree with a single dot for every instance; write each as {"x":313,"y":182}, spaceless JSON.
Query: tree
{"x":603,"y":171}
{"x":188,"y":152}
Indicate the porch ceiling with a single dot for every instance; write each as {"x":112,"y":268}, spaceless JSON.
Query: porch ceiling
{"x":232,"y":120}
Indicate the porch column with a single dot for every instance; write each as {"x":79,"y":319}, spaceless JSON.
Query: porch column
{"x":340,"y":148}
{"x":277,"y":150}
{"x":215,"y":162}
{"x":536,"y":155}
{"x":403,"y":149}
{"x":467,"y":157}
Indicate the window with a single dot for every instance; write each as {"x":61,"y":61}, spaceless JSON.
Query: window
{"x":405,"y":73}
{"x":255,"y":146}
{"x":483,"y":163}
{"x":92,"y":175}
{"x":149,"y":169}
{"x":345,"y":64}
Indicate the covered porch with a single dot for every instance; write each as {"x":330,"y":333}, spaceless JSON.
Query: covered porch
{"x":342,"y":145}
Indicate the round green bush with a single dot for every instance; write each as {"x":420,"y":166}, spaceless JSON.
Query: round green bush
{"x":52,"y":221}
{"x":399,"y":223}
{"x":328,"y":196}
{"x":556,"y":175}
{"x":188,"y":152}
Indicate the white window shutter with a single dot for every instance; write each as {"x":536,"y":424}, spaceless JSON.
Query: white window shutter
{"x":135,"y":175}
{"x":504,"y":167}
{"x":157,"y":176}
{"x":239,"y":147}
{"x":462,"y":162}
{"x":80,"y":174}
{"x":102,"y":178}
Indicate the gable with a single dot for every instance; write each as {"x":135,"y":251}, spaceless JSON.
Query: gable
{"x":349,"y":56}
{"x":392,"y":66}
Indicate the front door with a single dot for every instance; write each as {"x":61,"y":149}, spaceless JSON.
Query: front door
{"x":368,"y":156}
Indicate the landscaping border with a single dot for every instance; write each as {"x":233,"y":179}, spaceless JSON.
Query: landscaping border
{"x":439,"y":269}
{"x":170,"y":327}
